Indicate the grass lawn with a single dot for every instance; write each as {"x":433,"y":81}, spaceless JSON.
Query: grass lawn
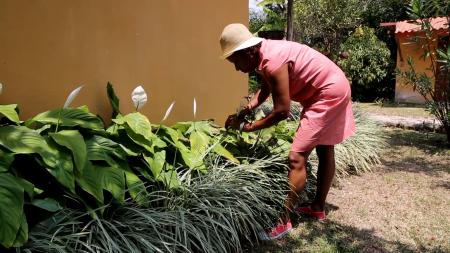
{"x":402,"y":206}
{"x":393,"y":109}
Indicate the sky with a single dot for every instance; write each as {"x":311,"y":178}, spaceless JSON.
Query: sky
{"x":252,"y":4}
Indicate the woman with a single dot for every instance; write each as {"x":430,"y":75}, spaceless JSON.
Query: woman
{"x":292,"y":71}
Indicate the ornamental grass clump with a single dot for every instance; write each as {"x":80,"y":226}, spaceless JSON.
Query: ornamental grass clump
{"x":217,"y":213}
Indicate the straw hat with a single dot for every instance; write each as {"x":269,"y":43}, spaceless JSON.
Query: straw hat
{"x":236,"y":37}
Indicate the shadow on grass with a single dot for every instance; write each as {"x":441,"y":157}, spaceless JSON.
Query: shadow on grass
{"x":390,"y":104}
{"x":444,"y":184}
{"x":415,"y":151}
{"x":330,"y":236}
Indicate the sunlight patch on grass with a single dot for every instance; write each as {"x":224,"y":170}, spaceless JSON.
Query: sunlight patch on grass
{"x":402,"y":110}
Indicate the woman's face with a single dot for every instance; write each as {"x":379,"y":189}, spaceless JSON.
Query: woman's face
{"x":244,"y":60}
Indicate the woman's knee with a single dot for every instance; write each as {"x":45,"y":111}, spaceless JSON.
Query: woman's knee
{"x":297,"y":161}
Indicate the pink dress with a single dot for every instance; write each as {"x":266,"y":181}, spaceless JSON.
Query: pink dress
{"x":319,"y":85}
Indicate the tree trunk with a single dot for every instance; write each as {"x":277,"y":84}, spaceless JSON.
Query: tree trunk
{"x":447,"y":132}
{"x":290,"y":21}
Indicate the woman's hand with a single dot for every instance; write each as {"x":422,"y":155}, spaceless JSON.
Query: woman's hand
{"x":246,"y":110}
{"x":233,"y":122}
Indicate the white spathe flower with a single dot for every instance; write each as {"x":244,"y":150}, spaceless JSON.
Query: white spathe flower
{"x":195,"y":107}
{"x":169,"y":110}
{"x":72,"y":96}
{"x":1,"y":88}
{"x":139,"y":97}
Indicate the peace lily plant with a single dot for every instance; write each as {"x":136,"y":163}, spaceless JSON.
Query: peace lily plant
{"x":168,"y":111}
{"x":68,"y":102}
{"x":139,"y":97}
{"x":72,"y":96}
{"x":195,"y":107}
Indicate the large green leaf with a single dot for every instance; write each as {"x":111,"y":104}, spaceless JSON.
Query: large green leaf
{"x":137,"y":122}
{"x":156,"y":163}
{"x":90,"y":182}
{"x":47,"y":204}
{"x":171,"y":136}
{"x":10,"y":112}
{"x":22,"y":234}
{"x":191,"y":159}
{"x":170,"y":177}
{"x":162,"y":171}
{"x":22,"y":140}
{"x":103,"y":149}
{"x":140,"y":140}
{"x":73,"y":140}
{"x":205,"y":127}
{"x":186,"y":128}
{"x":98,"y":178}
{"x":220,"y":150}
{"x":199,"y":142}
{"x":182,"y":127}
{"x":128,"y":151}
{"x":6,"y":159}
{"x":27,"y":186}
{"x":113,"y":100}
{"x":136,"y":188}
{"x":139,"y":129}
{"x":11,"y":209}
{"x":199,"y":147}
{"x":70,"y":117}
{"x":61,"y":166}
{"x":168,"y":134}
{"x":113,"y":180}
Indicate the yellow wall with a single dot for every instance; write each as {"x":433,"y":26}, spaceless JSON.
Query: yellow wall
{"x":403,"y":92}
{"x":171,"y":47}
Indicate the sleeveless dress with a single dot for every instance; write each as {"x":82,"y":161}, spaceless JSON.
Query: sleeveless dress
{"x":321,"y":88}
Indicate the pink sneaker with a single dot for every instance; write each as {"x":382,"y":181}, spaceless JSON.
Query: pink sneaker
{"x":307,"y":211}
{"x":278,"y":231}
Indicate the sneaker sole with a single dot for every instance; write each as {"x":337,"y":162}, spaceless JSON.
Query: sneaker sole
{"x":276,"y":237}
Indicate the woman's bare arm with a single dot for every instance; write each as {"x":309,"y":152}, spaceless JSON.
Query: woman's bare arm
{"x":279,"y":86}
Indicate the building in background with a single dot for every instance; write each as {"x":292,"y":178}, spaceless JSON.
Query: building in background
{"x":405,"y":33}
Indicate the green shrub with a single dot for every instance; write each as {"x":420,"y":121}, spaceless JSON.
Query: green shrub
{"x":368,"y":57}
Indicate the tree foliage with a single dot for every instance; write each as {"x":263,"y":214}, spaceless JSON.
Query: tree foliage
{"x":275,"y":15}
{"x":378,"y":11}
{"x":256,"y":21}
{"x":325,"y":24}
{"x":368,"y":57}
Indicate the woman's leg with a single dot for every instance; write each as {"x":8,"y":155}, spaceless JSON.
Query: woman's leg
{"x":297,"y":179}
{"x":325,"y":174}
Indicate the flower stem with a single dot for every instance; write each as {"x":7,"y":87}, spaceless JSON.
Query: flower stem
{"x":59,"y":118}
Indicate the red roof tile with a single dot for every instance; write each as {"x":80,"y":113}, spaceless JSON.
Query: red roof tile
{"x":409,"y":26}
